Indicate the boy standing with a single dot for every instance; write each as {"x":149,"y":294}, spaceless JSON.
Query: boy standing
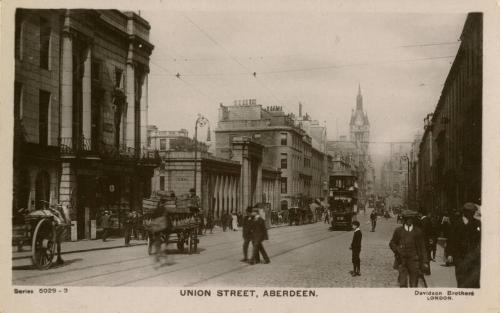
{"x":356,"y":249}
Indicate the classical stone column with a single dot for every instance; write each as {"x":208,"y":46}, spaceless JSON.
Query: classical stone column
{"x":216,"y":195}
{"x":87,"y":97}
{"x":130,"y":118}
{"x":223,"y":194}
{"x":258,"y":187}
{"x":67,"y":85}
{"x":144,"y":113}
{"x":233,"y":194}
{"x":245,"y":182}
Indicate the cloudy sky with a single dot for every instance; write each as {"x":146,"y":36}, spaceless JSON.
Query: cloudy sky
{"x":317,"y":58}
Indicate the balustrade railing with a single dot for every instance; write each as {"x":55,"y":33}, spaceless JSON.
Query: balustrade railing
{"x":87,"y":147}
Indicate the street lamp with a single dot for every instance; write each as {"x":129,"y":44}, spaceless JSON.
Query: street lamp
{"x":405,"y":157}
{"x":201,"y":121}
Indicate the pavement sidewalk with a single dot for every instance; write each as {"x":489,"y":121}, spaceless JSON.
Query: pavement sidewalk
{"x":441,"y":276}
{"x":82,"y":246}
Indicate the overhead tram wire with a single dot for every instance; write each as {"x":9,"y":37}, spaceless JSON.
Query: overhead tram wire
{"x":210,"y":59}
{"x":329,"y":67}
{"x":179,"y":77}
{"x":189,"y":84}
{"x":267,"y":65}
{"x":235,"y":60}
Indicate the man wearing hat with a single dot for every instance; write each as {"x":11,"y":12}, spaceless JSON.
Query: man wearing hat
{"x":464,"y":247}
{"x":259,"y":234}
{"x":105,"y":225}
{"x":410,"y":254}
{"x":247,"y":232}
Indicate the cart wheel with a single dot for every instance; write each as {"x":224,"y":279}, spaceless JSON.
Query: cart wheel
{"x":195,"y":243}
{"x":190,"y":242}
{"x":44,"y":244}
{"x":150,"y":243}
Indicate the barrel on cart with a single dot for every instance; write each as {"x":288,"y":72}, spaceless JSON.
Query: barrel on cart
{"x":183,"y":222}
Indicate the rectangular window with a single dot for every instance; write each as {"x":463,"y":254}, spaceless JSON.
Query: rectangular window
{"x":45,"y":32}
{"x":162,"y":183}
{"x":95,"y":70}
{"x":284,"y":138}
{"x":284,"y":161}
{"x":163,"y":144}
{"x":118,"y":78}
{"x":18,"y":100}
{"x":43,"y":117}
{"x":284,"y":185}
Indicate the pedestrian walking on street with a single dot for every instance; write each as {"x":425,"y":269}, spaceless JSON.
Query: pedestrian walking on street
{"x":224,"y":221}
{"x":327,"y":216}
{"x":356,"y":249}
{"x":234,"y":220}
{"x":426,"y":227}
{"x":209,"y":225}
{"x":464,"y":247}
{"x":247,"y":232}
{"x":160,"y":225}
{"x":259,"y":234}
{"x":105,"y":225}
{"x":410,"y":253}
{"x":435,"y":235}
{"x":128,"y":224}
{"x":373,"y":219}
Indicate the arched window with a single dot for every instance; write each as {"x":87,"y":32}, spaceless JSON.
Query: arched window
{"x":42,"y":189}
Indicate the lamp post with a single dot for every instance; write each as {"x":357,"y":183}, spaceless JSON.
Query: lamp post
{"x":405,"y":157}
{"x":201,"y":121}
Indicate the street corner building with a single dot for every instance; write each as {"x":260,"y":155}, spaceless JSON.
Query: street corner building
{"x":296,"y":145}
{"x":80,"y":103}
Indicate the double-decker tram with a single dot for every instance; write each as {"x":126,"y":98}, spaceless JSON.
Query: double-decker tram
{"x":342,"y":197}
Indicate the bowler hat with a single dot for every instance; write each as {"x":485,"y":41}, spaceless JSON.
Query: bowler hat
{"x":469,"y":206}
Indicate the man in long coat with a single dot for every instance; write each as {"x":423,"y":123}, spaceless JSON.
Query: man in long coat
{"x":247,"y":224}
{"x":410,"y":253}
{"x":259,"y":234}
{"x":464,"y":247}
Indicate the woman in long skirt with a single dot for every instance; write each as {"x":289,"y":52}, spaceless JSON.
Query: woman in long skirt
{"x":235,"y":221}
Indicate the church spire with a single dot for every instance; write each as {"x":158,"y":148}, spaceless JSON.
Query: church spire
{"x":359,"y":99}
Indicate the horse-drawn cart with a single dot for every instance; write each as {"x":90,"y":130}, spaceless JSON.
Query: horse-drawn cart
{"x":182,"y":225}
{"x":41,"y":230}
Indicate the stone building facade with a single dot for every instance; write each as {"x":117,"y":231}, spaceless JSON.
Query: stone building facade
{"x":286,"y":145}
{"x":224,"y":185}
{"x":449,"y":160}
{"x":171,"y":140}
{"x":394,"y":175}
{"x":80,"y":101}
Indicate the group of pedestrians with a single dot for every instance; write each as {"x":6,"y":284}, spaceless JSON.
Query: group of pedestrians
{"x":255,"y":231}
{"x":230,"y":221}
{"x":414,"y":246}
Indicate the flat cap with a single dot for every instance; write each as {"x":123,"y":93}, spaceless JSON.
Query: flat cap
{"x":469,"y":206}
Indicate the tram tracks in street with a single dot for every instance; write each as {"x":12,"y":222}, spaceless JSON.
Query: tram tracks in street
{"x":103,"y":266}
{"x":239,"y":267}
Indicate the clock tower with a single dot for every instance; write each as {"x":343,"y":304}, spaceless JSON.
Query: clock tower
{"x":359,"y":125}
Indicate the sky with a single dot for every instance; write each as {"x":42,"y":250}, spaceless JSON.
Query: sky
{"x":317,"y":58}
